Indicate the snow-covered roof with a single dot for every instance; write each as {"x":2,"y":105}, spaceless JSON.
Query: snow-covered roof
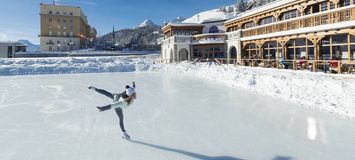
{"x":266,"y":7}
{"x":183,"y":25}
{"x":209,"y":16}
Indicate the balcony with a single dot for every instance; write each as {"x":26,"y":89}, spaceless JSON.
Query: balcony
{"x":317,"y":19}
{"x":177,"y":39}
{"x":212,"y":38}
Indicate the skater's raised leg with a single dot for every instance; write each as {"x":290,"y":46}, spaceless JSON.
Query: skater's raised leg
{"x":103,"y":92}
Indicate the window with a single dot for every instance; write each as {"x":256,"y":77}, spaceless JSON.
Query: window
{"x":267,"y":20}
{"x":50,"y":48}
{"x":249,"y":25}
{"x":71,"y":13}
{"x":316,"y":8}
{"x":58,"y":26}
{"x":332,"y":6}
{"x":58,"y":33}
{"x":50,"y":20}
{"x":65,"y":34}
{"x":58,"y":20}
{"x":58,"y":12}
{"x":50,"y":12}
{"x":343,"y":3}
{"x":300,"y":49}
{"x":213,"y":29}
{"x":251,"y":52}
{"x":270,"y":49}
{"x":50,"y":33}
{"x":324,"y":6}
{"x":58,"y":42}
{"x":65,"y":13}
{"x":71,"y":34}
{"x":290,"y":14}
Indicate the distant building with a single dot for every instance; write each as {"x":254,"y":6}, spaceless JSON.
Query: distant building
{"x":64,"y":28}
{"x":8,"y":49}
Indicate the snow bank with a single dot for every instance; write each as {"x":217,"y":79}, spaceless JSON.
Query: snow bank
{"x":330,"y":93}
{"x":23,"y":66}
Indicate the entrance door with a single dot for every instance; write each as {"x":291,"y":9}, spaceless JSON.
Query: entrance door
{"x":9,"y":52}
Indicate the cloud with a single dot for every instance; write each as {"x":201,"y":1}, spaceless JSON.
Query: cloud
{"x":15,"y":35}
{"x":3,"y":36}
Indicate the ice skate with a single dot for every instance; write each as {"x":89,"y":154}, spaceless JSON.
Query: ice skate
{"x":126,"y":136}
{"x":92,"y":87}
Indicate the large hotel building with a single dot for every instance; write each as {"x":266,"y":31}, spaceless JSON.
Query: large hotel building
{"x":316,"y":35}
{"x":64,"y":28}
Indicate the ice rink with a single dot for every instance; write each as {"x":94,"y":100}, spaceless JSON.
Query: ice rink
{"x":53,"y":117}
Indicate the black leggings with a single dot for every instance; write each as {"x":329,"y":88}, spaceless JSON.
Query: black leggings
{"x":119,"y":111}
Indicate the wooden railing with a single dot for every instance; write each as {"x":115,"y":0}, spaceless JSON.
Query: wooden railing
{"x":341,"y":15}
{"x":328,"y":66}
{"x":333,"y":66}
{"x":209,"y":38}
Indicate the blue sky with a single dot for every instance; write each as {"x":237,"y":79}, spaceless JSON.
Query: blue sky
{"x":19,"y":19}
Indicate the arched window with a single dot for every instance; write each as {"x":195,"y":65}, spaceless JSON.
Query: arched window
{"x":213,"y":29}
{"x":251,"y":52}
{"x":300,"y":49}
{"x":271,"y":50}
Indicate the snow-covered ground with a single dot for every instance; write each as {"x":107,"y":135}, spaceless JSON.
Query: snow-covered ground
{"x":319,"y":91}
{"x":176,"y":116}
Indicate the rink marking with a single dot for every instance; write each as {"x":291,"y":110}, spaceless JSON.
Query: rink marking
{"x":312,"y":128}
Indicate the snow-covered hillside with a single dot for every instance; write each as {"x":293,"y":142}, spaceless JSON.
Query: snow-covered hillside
{"x":31,"y":47}
{"x":318,"y":91}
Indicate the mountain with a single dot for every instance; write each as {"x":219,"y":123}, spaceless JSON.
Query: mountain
{"x":146,"y":23}
{"x":142,"y":37}
{"x":31,"y":47}
{"x":178,"y":20}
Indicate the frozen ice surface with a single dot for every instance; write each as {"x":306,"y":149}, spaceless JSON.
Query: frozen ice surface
{"x":175,"y":117}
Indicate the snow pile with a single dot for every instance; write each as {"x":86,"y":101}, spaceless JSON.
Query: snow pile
{"x":23,"y":66}
{"x":330,"y":93}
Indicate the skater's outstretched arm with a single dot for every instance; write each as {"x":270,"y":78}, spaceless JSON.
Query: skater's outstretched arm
{"x":134,"y":84}
{"x":103,"y":92}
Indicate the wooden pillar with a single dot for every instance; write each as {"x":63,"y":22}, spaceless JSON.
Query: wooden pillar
{"x":349,"y":48}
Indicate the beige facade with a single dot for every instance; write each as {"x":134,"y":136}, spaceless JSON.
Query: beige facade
{"x":64,"y":28}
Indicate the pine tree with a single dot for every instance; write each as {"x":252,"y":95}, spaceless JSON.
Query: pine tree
{"x":241,"y":6}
